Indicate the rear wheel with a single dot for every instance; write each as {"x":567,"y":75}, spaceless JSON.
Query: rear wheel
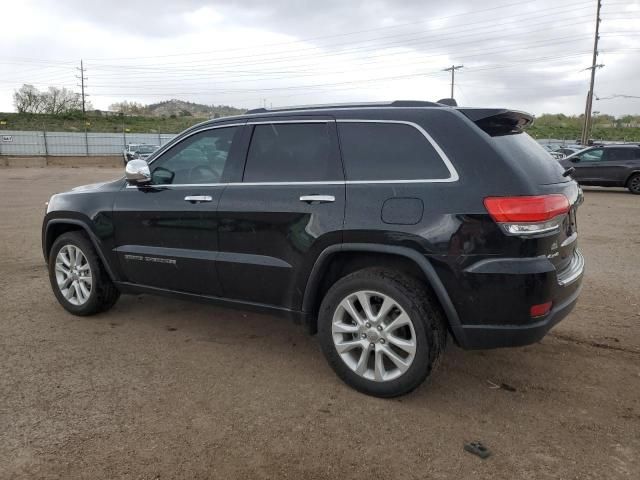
{"x":633,"y":184}
{"x":381,"y":332}
{"x":77,"y":276}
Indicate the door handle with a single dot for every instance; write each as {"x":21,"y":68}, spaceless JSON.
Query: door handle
{"x":198,"y":198}
{"x":317,"y":198}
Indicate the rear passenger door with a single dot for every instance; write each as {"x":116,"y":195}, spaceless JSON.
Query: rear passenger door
{"x":282,"y":210}
{"x":618,"y":162}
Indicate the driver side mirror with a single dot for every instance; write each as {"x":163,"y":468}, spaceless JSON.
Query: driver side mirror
{"x":575,"y":159}
{"x":137,"y":172}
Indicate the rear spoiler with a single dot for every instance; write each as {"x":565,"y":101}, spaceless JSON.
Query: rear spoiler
{"x":498,"y":121}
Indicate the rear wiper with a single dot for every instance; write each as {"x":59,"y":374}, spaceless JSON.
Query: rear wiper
{"x":568,"y":171}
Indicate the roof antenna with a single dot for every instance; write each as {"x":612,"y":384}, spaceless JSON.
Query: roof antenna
{"x":448,"y":101}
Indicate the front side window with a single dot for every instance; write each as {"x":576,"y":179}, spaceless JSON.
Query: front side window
{"x":593,"y":155}
{"x":292,"y":152}
{"x":198,"y":159}
{"x":388,"y":151}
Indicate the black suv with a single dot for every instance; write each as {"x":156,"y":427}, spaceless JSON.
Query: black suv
{"x":383,"y":227}
{"x":607,"y":166}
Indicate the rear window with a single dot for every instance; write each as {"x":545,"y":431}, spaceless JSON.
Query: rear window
{"x":388,"y":151}
{"x":529,"y":156}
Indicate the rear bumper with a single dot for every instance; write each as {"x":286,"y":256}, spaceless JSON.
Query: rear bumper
{"x":500,"y":317}
{"x":498,"y":336}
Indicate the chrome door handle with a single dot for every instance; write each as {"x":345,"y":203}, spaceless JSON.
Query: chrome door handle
{"x":317,"y":198}
{"x":198,"y":198}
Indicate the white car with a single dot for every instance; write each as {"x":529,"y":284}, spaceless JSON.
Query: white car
{"x":138,"y":150}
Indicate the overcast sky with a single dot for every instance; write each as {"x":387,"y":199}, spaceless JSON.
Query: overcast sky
{"x":529,"y":55}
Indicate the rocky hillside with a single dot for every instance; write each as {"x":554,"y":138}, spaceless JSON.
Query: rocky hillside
{"x":180,"y":108}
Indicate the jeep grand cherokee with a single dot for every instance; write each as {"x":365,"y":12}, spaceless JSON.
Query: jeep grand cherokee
{"x":383,"y":228}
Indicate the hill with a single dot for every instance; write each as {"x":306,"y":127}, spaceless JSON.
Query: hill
{"x":180,"y":108}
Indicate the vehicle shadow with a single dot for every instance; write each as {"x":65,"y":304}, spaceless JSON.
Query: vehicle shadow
{"x":272,"y":340}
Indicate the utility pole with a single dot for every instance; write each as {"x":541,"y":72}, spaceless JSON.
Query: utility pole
{"x":452,"y":69}
{"x":586,"y":129}
{"x":84,"y":110}
{"x":82,"y":78}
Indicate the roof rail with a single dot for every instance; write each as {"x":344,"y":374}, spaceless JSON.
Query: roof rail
{"x":396,"y":103}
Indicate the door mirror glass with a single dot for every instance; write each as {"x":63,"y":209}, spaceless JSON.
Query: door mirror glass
{"x":137,"y":172}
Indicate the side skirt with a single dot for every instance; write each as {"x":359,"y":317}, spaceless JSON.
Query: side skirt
{"x":132,"y":288}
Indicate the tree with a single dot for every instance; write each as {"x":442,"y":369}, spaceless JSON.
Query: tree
{"x":128,"y":108}
{"x":60,"y":100}
{"x":28,"y":99}
{"x":54,"y":101}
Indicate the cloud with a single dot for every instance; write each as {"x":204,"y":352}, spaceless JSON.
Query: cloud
{"x":528,"y":55}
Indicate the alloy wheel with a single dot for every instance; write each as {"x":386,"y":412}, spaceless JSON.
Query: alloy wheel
{"x":374,"y":336}
{"x":73,"y":275}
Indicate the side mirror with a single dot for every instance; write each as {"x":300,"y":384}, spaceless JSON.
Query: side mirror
{"x":575,"y":159}
{"x":137,"y":172}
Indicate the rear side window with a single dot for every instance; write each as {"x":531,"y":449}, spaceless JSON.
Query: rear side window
{"x":388,"y":151}
{"x":292,"y":152}
{"x":622,"y":154}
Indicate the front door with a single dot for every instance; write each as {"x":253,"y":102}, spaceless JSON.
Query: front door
{"x":588,"y":166}
{"x":166,"y":231}
{"x":286,"y":208}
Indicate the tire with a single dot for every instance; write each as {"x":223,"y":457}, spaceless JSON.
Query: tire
{"x":81,"y":297}
{"x":427,"y":332}
{"x":633,"y":184}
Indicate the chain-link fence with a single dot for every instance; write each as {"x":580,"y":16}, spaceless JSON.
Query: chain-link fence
{"x":74,"y":143}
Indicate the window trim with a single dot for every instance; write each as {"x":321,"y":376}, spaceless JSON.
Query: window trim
{"x":453,"y":173}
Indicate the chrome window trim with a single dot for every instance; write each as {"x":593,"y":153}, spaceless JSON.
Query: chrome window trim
{"x":453,"y":173}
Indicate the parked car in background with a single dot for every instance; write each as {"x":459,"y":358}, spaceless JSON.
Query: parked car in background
{"x":551,"y":150}
{"x":569,"y":149}
{"x":607,"y":166}
{"x":138,"y":150}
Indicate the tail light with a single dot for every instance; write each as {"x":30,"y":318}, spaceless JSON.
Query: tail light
{"x":528,"y":215}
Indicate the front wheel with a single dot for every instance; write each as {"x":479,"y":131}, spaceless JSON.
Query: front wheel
{"x":381,"y":331}
{"x":634,"y":184}
{"x":77,"y":276}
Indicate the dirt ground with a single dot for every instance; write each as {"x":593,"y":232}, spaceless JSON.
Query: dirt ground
{"x":163,"y":389}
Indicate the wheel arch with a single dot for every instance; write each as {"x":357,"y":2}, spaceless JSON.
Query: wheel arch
{"x":632,"y":174}
{"x":59,"y":226}
{"x":405,"y":258}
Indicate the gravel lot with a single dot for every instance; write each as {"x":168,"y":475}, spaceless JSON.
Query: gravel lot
{"x":160,"y":388}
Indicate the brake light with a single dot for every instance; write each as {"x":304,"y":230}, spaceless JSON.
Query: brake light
{"x":527,"y":215}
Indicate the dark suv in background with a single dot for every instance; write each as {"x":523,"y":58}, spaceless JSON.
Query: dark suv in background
{"x":607,"y":166}
{"x":384,"y":228}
